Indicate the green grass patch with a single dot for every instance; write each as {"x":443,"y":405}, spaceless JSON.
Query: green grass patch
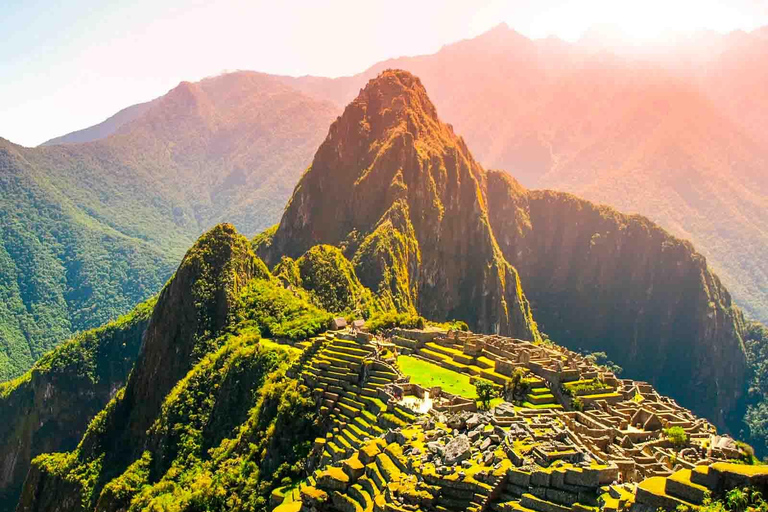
{"x":429,"y":375}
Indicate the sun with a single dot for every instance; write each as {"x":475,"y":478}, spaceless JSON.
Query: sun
{"x":647,"y":21}
{"x":634,"y":21}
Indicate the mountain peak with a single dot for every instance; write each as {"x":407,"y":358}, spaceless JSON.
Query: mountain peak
{"x":402,"y":194}
{"x":393,"y":83}
{"x":395,"y":98}
{"x":393,"y":110}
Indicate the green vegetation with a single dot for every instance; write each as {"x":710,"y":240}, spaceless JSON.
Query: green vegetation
{"x":263,"y":240}
{"x":229,"y":433}
{"x":486,"y":391}
{"x":429,"y":375}
{"x":383,"y":258}
{"x":601,"y":359}
{"x":281,"y":313}
{"x":91,"y":354}
{"x":331,"y":281}
{"x":756,"y":418}
{"x":736,"y":500}
{"x":677,"y":436}
{"x":388,"y":319}
{"x":233,"y":426}
{"x":586,"y":387}
{"x":61,"y":269}
{"x":80,"y":375}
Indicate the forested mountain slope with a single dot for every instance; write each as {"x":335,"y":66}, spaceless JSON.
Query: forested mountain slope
{"x":91,"y":229}
{"x":49,"y":407}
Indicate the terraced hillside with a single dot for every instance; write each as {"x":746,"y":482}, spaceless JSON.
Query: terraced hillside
{"x":564,"y":434}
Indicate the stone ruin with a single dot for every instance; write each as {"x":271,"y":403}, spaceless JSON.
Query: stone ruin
{"x":579,"y":438}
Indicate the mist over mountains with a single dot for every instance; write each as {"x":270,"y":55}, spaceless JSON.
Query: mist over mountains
{"x":678,"y":137}
{"x":676,"y":133}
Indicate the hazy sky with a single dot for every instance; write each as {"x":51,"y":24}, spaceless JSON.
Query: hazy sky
{"x":66,"y":65}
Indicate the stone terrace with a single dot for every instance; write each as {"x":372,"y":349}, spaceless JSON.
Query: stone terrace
{"x":575,"y":438}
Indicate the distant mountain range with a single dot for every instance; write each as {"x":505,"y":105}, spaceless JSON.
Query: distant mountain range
{"x":92,"y":227}
{"x":681,"y":138}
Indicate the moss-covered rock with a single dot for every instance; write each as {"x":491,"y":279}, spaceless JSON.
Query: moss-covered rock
{"x":331,"y":280}
{"x":49,"y":407}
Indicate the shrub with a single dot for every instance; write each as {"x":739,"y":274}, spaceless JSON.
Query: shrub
{"x":677,"y":436}
{"x":381,"y":321}
{"x":486,"y":391}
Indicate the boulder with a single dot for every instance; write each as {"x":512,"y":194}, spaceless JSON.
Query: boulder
{"x":473,"y":421}
{"x":457,"y":450}
{"x":457,"y":422}
{"x":436,"y":447}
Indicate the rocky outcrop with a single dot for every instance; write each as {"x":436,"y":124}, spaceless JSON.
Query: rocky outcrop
{"x":604,"y":281}
{"x":48,"y":409}
{"x":401,"y":193}
{"x":191,"y":312}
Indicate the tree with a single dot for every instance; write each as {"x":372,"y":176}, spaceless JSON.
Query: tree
{"x":601,"y":359}
{"x":677,"y":436}
{"x":737,"y":499}
{"x":486,"y":392}
{"x":512,"y":386}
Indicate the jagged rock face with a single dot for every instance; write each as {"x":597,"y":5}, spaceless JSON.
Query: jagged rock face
{"x":190,"y":311}
{"x":49,"y":411}
{"x":401,"y":192}
{"x":604,"y":281}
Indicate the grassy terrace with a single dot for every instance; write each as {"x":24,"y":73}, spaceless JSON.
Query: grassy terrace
{"x":529,"y":405}
{"x":429,"y":375}
{"x":267,"y":343}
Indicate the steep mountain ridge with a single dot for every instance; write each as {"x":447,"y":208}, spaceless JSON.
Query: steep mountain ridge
{"x":603,"y":280}
{"x":203,"y":380}
{"x":191,"y":312}
{"x":403,"y":192}
{"x":49,"y":407}
{"x":678,"y":136}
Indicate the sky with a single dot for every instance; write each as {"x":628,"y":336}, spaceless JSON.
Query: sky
{"x":68,"y":65}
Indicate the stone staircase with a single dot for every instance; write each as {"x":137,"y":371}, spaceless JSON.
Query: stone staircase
{"x":540,"y":397}
{"x":345,"y":382}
